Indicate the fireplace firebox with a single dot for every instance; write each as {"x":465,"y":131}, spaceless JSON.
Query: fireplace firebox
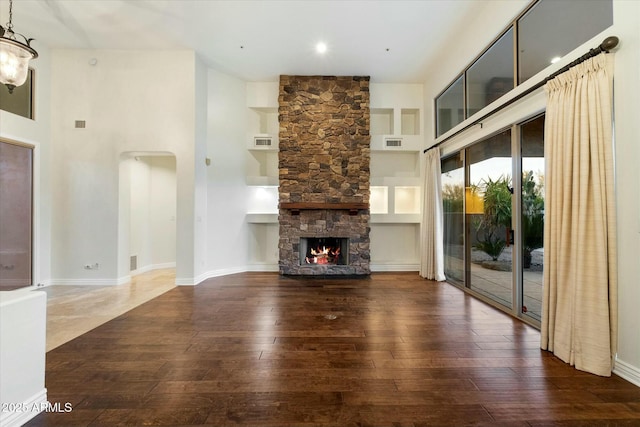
{"x":324,"y":251}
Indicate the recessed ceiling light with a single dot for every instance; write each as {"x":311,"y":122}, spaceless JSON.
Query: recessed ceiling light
{"x":321,"y":47}
{"x":555,"y":59}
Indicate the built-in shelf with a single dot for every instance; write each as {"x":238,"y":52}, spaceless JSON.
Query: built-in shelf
{"x":396,"y":218}
{"x":262,"y":167}
{"x":275,"y":150}
{"x":381,"y":121}
{"x":396,"y":129}
{"x":379,"y":199}
{"x":406,"y":200}
{"x":410,"y":121}
{"x":263,"y":128}
{"x":262,"y":218}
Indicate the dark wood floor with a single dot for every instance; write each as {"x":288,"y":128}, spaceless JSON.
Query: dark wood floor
{"x":257,"y":349}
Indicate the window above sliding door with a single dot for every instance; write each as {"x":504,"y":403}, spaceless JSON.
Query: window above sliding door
{"x":544,"y":32}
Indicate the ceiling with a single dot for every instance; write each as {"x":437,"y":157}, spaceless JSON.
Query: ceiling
{"x":391,"y":41}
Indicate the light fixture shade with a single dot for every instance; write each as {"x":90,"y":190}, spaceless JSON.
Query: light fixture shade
{"x":14,"y":61}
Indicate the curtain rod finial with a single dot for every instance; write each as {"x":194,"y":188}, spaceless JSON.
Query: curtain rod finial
{"x":609,"y":43}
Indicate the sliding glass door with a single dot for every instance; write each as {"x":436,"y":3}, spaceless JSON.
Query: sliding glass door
{"x":452,"y":170}
{"x":488,"y":214}
{"x":532,"y":215}
{"x":493,"y":223}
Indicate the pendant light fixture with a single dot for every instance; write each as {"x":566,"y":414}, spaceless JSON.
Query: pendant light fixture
{"x":14,"y":55}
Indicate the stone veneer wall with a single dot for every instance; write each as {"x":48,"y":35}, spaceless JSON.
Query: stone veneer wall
{"x":324,"y":158}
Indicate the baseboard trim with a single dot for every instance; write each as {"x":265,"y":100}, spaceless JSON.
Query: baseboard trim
{"x":627,"y":371}
{"x":89,"y":282}
{"x":28,"y":409}
{"x":263,"y":267}
{"x":220,"y":272}
{"x":152,"y":267}
{"x":123,"y":280}
{"x":394,"y":267}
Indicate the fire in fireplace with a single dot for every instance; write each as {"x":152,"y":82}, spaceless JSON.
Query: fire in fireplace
{"x":324,"y":251}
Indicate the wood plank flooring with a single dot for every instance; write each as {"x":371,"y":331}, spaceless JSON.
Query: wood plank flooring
{"x":257,"y":349}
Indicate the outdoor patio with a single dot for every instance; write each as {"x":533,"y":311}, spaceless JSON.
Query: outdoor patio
{"x":495,"y":279}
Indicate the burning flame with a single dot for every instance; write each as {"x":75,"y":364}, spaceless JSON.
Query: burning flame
{"x":323,"y":256}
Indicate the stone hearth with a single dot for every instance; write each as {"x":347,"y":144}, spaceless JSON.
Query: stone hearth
{"x":324,"y":161}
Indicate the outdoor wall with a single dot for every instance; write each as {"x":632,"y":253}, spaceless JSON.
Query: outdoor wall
{"x":626,"y":17}
{"x":130,"y":101}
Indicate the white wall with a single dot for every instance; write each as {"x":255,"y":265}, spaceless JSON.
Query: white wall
{"x":140,"y":200}
{"x":395,"y":247}
{"x":626,"y":88}
{"x":227,"y":234}
{"x":131,"y":101}
{"x":200,"y":241}
{"x":626,"y":18}
{"x":23,"y":317}
{"x":162,"y":219}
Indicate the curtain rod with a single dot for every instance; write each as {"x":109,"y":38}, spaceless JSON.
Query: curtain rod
{"x":608,"y":44}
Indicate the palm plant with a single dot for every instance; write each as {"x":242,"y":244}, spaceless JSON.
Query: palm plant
{"x":497,"y":214}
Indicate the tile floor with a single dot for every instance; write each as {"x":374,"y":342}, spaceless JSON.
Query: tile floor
{"x":75,"y":310}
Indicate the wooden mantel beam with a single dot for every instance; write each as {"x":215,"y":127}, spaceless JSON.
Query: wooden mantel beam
{"x":296,"y":207}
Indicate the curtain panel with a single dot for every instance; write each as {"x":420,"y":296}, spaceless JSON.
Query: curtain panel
{"x":432,"y":245}
{"x":579,"y":311}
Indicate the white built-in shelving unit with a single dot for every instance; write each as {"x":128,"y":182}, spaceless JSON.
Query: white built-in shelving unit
{"x":396,"y":143}
{"x":397,"y":139}
{"x":262,"y":174}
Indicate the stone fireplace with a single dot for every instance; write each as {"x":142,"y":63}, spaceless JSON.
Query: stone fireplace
{"x":324,"y":156}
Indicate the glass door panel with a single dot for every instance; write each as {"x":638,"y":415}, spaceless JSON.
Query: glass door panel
{"x":532,"y":193}
{"x":452,"y":170}
{"x":488,"y":215}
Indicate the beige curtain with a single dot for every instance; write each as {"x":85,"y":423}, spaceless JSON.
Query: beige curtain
{"x":432,"y":245}
{"x":579,"y":308}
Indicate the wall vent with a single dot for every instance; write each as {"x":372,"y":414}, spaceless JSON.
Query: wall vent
{"x":393,"y":142}
{"x":81,"y":124}
{"x":133,"y":263}
{"x":262,"y":141}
